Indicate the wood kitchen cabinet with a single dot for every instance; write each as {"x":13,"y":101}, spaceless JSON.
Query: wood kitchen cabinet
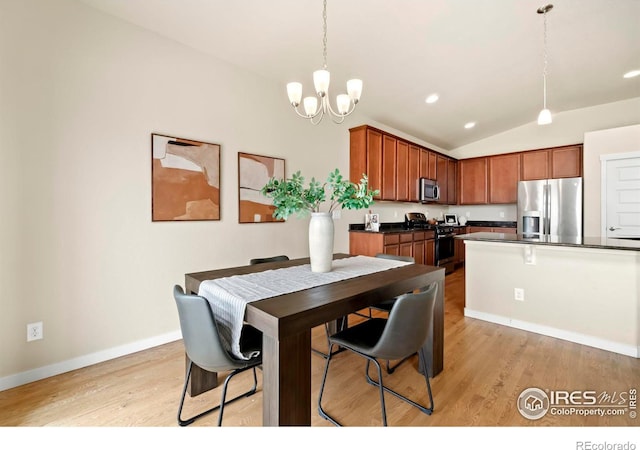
{"x":430,"y":252}
{"x":442,"y":172}
{"x":428,"y":164}
{"x":418,"y":244}
{"x":458,"y":255}
{"x":414,"y":172}
{"x":402,"y":171}
{"x":389,"y":168}
{"x":473,"y":181}
{"x":452,"y":182}
{"x":557,"y":162}
{"x":365,"y":156}
{"x":503,"y":175}
{"x":393,"y":165}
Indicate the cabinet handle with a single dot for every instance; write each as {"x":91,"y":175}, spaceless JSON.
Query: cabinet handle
{"x":614,"y":228}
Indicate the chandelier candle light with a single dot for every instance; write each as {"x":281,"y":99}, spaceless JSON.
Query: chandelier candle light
{"x":544,"y":117}
{"x":346,"y":103}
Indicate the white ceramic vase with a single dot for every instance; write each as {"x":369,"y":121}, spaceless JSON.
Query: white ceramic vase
{"x":321,"y":242}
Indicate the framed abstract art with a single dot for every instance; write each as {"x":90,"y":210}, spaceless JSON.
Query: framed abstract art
{"x":185,"y":178}
{"x":254,"y":171}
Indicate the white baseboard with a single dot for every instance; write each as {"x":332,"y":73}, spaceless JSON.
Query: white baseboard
{"x":578,"y":338}
{"x":87,"y":360}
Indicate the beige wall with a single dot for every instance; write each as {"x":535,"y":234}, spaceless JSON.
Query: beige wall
{"x":596,"y":144}
{"x":81,"y":94}
{"x":595,"y":303}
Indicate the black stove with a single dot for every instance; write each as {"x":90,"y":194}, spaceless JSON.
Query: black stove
{"x":417,"y":221}
{"x":444,"y":239}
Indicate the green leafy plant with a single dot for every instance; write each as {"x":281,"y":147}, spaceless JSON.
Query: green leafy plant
{"x":290,"y":196}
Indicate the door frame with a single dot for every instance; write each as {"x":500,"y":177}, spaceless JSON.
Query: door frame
{"x":604,"y":159}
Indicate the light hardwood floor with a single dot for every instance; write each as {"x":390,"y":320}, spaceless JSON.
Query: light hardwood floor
{"x":486,"y":368}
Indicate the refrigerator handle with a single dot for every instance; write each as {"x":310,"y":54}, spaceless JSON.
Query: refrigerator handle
{"x":547,"y":209}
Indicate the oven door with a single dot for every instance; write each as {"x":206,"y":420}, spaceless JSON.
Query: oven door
{"x":445,"y":251}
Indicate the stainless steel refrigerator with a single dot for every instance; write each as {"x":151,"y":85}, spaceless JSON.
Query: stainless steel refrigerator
{"x":550,"y":207}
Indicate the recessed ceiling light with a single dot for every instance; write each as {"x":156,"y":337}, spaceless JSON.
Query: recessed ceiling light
{"x":631,"y":74}
{"x":432,"y":98}
{"x":469,"y":125}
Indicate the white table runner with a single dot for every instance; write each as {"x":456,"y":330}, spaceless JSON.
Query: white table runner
{"x":229,"y":296}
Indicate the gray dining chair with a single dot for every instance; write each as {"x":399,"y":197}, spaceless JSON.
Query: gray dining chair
{"x":205,"y":349}
{"x":268,"y":259}
{"x":386,"y":305}
{"x":401,"y":335}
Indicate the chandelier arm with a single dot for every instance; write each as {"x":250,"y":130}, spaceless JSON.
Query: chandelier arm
{"x":320,"y":116}
{"x":305,"y":116}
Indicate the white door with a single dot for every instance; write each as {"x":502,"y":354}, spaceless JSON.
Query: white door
{"x":622,"y":201}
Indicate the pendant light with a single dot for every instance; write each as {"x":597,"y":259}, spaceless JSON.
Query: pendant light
{"x":544,"y":117}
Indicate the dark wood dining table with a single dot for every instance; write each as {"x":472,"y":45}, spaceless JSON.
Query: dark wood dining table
{"x":286,"y":322}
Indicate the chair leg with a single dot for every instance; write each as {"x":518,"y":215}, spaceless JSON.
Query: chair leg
{"x":321,"y":411}
{"x":341,"y":326}
{"x":184,"y":422}
{"x":391,"y":369}
{"x":426,"y":377}
{"x":424,"y":409}
{"x":382,"y":404}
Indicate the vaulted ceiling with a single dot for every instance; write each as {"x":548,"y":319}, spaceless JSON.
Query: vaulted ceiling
{"x":484,"y":58}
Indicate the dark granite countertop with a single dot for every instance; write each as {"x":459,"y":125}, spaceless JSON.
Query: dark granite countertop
{"x":491,"y":223}
{"x":399,"y":227}
{"x":389,"y":227}
{"x":558,"y":241}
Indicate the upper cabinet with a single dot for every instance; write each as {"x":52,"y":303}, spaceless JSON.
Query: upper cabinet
{"x":402,"y":171}
{"x":504,"y":174}
{"x":395,"y":165}
{"x":389,"y":168}
{"x":557,"y":162}
{"x":473,"y":181}
{"x":365,"y":157}
{"x":415,"y":167}
{"x":494,"y":179}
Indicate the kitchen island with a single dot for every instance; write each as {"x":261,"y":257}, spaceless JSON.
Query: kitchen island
{"x":584,"y":290}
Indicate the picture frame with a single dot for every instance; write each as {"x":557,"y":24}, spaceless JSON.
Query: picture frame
{"x":254,"y":171}
{"x":450,"y":219}
{"x":185,"y":179}
{"x":372,"y":222}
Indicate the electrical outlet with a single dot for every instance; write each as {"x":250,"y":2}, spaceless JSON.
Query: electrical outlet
{"x":336,"y":214}
{"x":468,"y":214}
{"x":502,"y":214}
{"x":34,"y":331}
{"x":518,"y":294}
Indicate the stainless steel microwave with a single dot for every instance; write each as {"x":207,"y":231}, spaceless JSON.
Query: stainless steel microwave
{"x":429,"y":190}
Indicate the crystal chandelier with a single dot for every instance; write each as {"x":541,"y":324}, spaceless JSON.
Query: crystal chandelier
{"x":346,"y":103}
{"x":544,"y":117}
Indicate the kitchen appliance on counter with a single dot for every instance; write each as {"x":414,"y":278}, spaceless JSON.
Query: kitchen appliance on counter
{"x":416,"y":220}
{"x":444,"y":239}
{"x":550,"y":207}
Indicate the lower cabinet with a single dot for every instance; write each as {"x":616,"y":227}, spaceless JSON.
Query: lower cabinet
{"x":458,"y":255}
{"x":418,"y":244}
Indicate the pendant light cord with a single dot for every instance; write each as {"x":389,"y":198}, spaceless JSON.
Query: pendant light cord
{"x":324,"y":37}
{"x":544,"y":70}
